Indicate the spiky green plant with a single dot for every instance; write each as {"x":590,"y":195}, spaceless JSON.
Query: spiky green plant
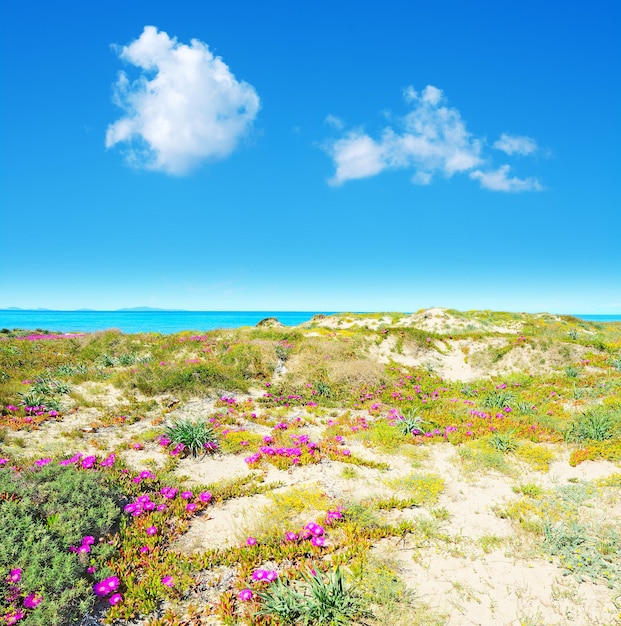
{"x":498,"y":399}
{"x":411,"y":423}
{"x":197,"y":437}
{"x":331,"y":601}
{"x":282,"y":601}
{"x":503,"y":442}
{"x":593,"y":425}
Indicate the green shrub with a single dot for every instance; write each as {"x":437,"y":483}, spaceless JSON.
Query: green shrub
{"x":42,"y":513}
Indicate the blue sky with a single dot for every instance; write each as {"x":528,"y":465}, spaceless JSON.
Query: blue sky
{"x":326,"y":156}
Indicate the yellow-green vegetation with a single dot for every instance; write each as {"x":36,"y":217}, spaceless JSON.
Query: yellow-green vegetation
{"x":332,"y":412}
{"x":421,"y":488}
{"x":565,"y":519}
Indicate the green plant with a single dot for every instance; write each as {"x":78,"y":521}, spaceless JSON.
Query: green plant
{"x":498,"y":399}
{"x":42,"y":513}
{"x":572,"y":371}
{"x":330,"y":601}
{"x":594,"y":425}
{"x":323,"y":389}
{"x":411,"y":423}
{"x":196,"y":437}
{"x":503,"y":442}
{"x":282,"y":601}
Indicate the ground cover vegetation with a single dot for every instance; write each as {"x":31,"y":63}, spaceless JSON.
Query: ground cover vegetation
{"x":257,"y":475}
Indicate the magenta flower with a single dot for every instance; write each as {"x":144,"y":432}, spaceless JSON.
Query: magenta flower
{"x":251,"y":541}
{"x":245,"y":595}
{"x":32,"y":600}
{"x":112,"y":583}
{"x":291,"y":536}
{"x":144,"y":550}
{"x":84,"y":548}
{"x":205,"y":496}
{"x":91,"y":569}
{"x":259,"y":574}
{"x":101,"y":589}
{"x":319,"y":542}
{"x":115,"y":599}
{"x":168,"y":581}
{"x":152,"y":530}
{"x":13,"y":617}
{"x":88,"y":540}
{"x":190,"y":506}
{"x":15,"y":575}
{"x":187,"y":495}
{"x":271,"y":575}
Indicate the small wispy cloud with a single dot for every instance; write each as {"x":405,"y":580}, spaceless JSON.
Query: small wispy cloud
{"x":186,"y":107}
{"x":499,"y":180}
{"x":431,"y":140}
{"x":335,"y":122}
{"x":515,"y":144}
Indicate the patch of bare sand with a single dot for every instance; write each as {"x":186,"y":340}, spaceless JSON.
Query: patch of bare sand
{"x":497,"y":589}
{"x":452,"y":364}
{"x":475,"y":588}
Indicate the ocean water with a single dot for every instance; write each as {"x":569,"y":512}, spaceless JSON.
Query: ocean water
{"x":599,"y":318}
{"x":166,"y":321}
{"x":144,"y":321}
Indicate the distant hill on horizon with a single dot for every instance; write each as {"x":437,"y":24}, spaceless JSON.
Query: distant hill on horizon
{"x":136,"y":308}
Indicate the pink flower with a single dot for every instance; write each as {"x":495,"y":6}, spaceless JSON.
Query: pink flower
{"x":259,"y":574}
{"x":152,"y":530}
{"x":205,"y":496}
{"x":187,"y":495}
{"x":115,"y":599}
{"x":144,"y":550}
{"x":251,"y":541}
{"x":168,"y":581}
{"x":190,"y":506}
{"x":271,"y":575}
{"x":291,"y":536}
{"x":101,"y":589}
{"x":15,"y":575}
{"x":320,"y":542}
{"x":89,"y":540}
{"x":13,"y":617}
{"x":32,"y":601}
{"x":245,"y":595}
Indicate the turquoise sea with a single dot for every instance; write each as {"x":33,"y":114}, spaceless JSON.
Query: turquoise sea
{"x":165,"y":321}
{"x":144,"y":321}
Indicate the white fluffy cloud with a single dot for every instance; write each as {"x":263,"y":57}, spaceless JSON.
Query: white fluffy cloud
{"x":430,"y":140}
{"x":516,"y":144}
{"x":186,"y":107}
{"x":499,"y":180}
